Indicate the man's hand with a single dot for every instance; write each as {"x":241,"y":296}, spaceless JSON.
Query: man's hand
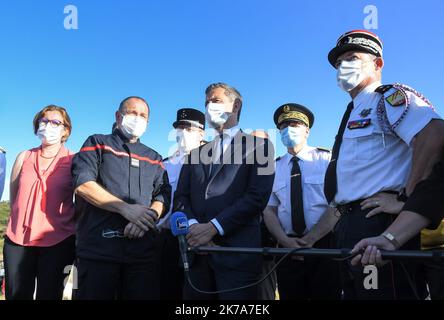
{"x":201,"y":234}
{"x":294,"y":243}
{"x":142,"y":216}
{"x":371,"y":254}
{"x":309,"y":241}
{"x":382,"y":202}
{"x":133,"y":232}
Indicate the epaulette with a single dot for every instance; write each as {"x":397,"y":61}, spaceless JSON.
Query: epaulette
{"x":278,"y":158}
{"x":323,"y":149}
{"x":397,"y":98}
{"x":2,"y":150}
{"x":384,"y":88}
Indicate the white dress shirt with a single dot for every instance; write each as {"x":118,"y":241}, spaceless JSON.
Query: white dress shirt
{"x":371,"y":161}
{"x":313,"y":163}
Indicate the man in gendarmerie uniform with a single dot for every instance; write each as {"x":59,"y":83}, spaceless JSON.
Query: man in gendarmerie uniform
{"x":386,"y":143}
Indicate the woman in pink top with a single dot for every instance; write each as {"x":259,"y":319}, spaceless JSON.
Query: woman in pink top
{"x":40,"y":242}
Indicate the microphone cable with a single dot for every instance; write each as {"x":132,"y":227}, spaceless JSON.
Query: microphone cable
{"x":187,"y":273}
{"x":345,"y":259}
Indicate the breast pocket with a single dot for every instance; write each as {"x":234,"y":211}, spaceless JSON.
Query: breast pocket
{"x":362,"y":142}
{"x":314,"y":190}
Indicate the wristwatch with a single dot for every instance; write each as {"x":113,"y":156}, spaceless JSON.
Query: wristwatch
{"x":390,"y":237}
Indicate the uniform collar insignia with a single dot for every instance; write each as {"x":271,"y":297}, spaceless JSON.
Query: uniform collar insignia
{"x":365,"y":113}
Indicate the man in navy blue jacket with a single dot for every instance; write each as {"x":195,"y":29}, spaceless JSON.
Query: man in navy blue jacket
{"x":223,"y":188}
{"x":122,"y":188}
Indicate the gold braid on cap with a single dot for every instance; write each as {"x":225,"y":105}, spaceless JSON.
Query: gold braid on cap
{"x":294,"y":115}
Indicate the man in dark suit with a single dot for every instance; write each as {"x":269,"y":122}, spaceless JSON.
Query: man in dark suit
{"x":223,"y":188}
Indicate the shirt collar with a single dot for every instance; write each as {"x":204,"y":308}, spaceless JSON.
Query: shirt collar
{"x":120,"y":134}
{"x":232,"y":132}
{"x":365,"y":92}
{"x":303,"y":155}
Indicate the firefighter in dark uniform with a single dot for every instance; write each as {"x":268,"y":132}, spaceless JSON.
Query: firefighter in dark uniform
{"x":122,"y":188}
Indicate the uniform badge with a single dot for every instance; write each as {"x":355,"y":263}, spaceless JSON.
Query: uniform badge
{"x":365,"y":113}
{"x":287,"y":109}
{"x":359,"y":124}
{"x":396,"y":99}
{"x":135,"y":163}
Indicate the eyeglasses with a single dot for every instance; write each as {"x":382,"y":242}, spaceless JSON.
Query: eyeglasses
{"x":108,"y":234}
{"x":54,"y":123}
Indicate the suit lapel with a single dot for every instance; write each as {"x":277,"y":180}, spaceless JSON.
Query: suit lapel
{"x":207,"y":166}
{"x":228,"y":154}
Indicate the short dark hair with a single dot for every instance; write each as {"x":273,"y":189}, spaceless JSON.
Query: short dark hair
{"x":122,"y":105}
{"x":230,"y":92}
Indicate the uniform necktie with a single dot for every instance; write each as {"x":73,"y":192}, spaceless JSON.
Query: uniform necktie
{"x":331,"y":180}
{"x":297,"y":205}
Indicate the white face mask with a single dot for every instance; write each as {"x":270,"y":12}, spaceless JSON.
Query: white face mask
{"x":351,"y":74}
{"x":293,"y":136}
{"x":188,"y":140}
{"x":133,"y":126}
{"x":215,"y":115}
{"x":50,"y":135}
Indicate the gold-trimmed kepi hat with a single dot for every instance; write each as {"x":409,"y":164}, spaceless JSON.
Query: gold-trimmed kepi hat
{"x":293,"y":112}
{"x":356,"y":40}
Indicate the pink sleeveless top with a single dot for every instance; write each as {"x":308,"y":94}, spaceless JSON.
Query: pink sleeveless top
{"x":42,"y":214}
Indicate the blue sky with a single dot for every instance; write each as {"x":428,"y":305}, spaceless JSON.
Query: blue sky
{"x":168,"y":52}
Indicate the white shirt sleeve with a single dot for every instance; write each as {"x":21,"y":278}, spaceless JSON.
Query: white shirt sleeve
{"x":417,"y":117}
{"x":273,"y":201}
{"x":192,"y":221}
{"x":218,"y":226}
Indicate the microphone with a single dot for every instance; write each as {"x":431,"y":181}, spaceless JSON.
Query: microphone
{"x":179,"y":228}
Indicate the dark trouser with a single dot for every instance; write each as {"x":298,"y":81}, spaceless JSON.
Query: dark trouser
{"x":100,"y":280}
{"x":267,"y":289}
{"x":25,"y":265}
{"x":171,"y":273}
{"x":310,"y":279}
{"x":434,"y":276}
{"x":205,"y":277}
{"x":392,"y":279}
